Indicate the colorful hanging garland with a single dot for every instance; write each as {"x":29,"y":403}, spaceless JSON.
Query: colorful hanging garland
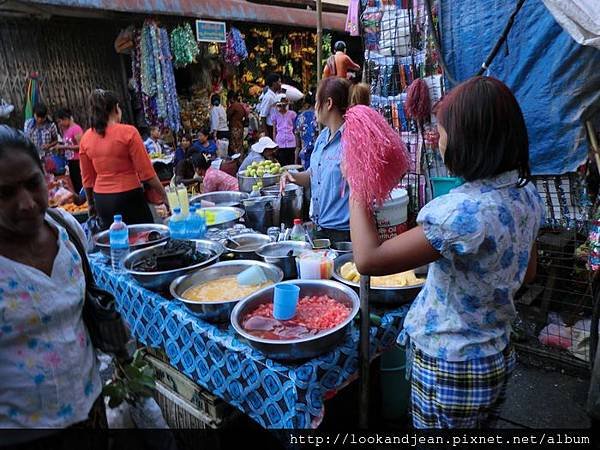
{"x":154,"y":79}
{"x":235,"y":47}
{"x":184,"y":46}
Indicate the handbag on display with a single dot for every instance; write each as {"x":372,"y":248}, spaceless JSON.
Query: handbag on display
{"x":105,"y":325}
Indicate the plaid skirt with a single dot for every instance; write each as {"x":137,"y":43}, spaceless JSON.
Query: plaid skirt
{"x":458,"y":394}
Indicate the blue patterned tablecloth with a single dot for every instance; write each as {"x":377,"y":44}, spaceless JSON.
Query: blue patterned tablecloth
{"x":274,"y":394}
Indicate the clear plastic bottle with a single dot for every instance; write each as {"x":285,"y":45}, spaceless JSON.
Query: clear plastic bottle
{"x":119,"y":243}
{"x":298,"y":232}
{"x":177,"y":225}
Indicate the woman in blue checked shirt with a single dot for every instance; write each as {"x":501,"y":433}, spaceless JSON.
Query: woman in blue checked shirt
{"x":479,"y":240}
{"x":329,"y":190}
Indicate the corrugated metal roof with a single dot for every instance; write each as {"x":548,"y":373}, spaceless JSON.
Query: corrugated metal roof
{"x":235,"y":10}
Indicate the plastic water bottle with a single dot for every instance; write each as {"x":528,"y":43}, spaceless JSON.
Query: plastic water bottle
{"x":200,"y":224}
{"x":177,"y":225}
{"x":119,"y":243}
{"x":195,"y":226}
{"x":298,"y":232}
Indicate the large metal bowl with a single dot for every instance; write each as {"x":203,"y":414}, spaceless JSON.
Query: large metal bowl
{"x":218,"y":311}
{"x":249,"y":244}
{"x":101,"y":240}
{"x":384,"y":295}
{"x":226,"y":216}
{"x":160,"y":281}
{"x":221,"y":198}
{"x":245,"y":183}
{"x":309,"y":347}
{"x":277,"y":254}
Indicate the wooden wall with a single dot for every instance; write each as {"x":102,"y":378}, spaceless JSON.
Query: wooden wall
{"x":72,"y":57}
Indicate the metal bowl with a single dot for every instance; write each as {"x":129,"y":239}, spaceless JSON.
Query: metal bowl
{"x":321,"y":244}
{"x":246,"y":183}
{"x":384,"y":295}
{"x":102,"y":242}
{"x":226,"y":216}
{"x":309,"y":347}
{"x":249,"y":244}
{"x":218,"y":311}
{"x":221,"y":198}
{"x":159,"y":281}
{"x":342,"y":247}
{"x":277,"y":254}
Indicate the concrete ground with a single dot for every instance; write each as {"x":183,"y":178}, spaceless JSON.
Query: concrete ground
{"x":541,"y":398}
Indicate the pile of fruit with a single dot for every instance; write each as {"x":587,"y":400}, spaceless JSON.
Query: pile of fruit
{"x":403,"y":279}
{"x":74,"y":209}
{"x":263,"y":169}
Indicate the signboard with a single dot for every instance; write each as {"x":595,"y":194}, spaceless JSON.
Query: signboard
{"x":209,"y":31}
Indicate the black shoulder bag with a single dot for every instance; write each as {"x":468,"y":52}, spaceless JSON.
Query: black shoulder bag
{"x":105,"y":325}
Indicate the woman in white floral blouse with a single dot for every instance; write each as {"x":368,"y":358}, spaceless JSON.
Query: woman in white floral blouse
{"x":48,"y":366}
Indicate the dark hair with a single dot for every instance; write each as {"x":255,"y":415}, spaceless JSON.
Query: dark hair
{"x":232,"y":95}
{"x":102,"y":104}
{"x":486,"y":130}
{"x":12,"y":139}
{"x":215,"y":99}
{"x":272,"y":78}
{"x":205,"y":131}
{"x":185,"y":136}
{"x":200,"y":162}
{"x":40,"y":110}
{"x":339,"y":46}
{"x":309,"y":99}
{"x":63,"y":113}
{"x":338,"y":89}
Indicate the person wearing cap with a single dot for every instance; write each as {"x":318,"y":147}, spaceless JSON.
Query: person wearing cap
{"x":264,"y":149}
{"x":283,"y":131}
{"x":339,"y":64}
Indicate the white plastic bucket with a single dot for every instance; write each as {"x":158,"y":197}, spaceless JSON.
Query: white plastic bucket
{"x":392,"y":216}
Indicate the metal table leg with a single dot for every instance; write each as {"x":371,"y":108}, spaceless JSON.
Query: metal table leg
{"x":364,"y":353}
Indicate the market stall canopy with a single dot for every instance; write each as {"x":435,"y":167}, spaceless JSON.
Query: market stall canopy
{"x":580,"y":18}
{"x":554,"y":78}
{"x":234,"y":10}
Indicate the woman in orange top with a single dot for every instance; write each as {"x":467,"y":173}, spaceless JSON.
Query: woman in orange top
{"x":115,"y":164}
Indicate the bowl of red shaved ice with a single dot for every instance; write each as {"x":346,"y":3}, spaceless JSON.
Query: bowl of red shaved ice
{"x":323,"y":317}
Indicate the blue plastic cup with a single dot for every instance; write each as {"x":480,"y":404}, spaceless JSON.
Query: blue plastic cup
{"x":285,"y":301}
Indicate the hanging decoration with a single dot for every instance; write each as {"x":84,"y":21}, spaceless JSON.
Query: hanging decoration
{"x":184,"y":46}
{"x":326,"y":44}
{"x":154,"y":79}
{"x":235,"y":47}
{"x":33,"y":95}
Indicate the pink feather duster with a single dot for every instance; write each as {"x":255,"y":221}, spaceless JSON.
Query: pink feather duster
{"x":418,"y":104}
{"x":375,"y":158}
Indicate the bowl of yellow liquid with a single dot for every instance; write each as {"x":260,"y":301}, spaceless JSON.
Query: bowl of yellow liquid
{"x":212,"y":293}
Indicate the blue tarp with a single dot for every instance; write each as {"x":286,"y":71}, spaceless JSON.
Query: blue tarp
{"x":556,"y":80}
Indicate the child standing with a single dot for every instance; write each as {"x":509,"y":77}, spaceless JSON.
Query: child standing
{"x":479,"y":239}
{"x":283,"y":130}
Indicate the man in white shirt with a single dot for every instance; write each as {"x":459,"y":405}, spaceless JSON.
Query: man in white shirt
{"x":269,"y":103}
{"x":218,"y":119}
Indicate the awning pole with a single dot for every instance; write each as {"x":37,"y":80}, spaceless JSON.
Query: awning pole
{"x":319,"y":40}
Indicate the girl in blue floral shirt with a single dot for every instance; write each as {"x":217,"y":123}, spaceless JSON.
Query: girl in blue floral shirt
{"x":479,"y":243}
